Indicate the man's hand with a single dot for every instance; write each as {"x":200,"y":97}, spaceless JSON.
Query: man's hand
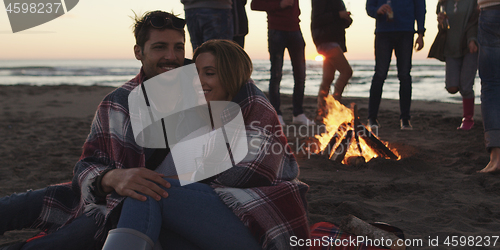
{"x":419,"y":44}
{"x":127,"y":182}
{"x":384,"y":9}
{"x":286,"y":3}
{"x":472,"y":47}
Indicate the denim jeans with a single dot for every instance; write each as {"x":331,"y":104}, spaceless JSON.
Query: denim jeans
{"x":489,"y":72}
{"x":292,"y":40}
{"x":205,"y":24}
{"x":191,"y":217}
{"x":20,"y":211}
{"x":385,"y":43}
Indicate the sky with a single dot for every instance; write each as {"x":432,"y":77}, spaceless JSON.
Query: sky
{"x":101,"y":29}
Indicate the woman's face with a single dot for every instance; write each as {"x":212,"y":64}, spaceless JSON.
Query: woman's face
{"x":212,"y":87}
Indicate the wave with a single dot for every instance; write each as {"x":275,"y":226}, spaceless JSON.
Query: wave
{"x":428,"y":76}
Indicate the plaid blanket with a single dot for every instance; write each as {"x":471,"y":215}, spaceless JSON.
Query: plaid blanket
{"x":109,"y":145}
{"x":264,"y":192}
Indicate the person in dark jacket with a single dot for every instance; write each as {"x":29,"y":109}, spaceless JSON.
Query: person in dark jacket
{"x":329,"y":19}
{"x":240,"y":22}
{"x":395,"y":31}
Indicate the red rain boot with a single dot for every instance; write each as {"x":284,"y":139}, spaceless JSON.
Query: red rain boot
{"x":467,"y":121}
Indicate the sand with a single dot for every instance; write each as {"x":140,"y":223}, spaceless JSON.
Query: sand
{"x":433,"y":191}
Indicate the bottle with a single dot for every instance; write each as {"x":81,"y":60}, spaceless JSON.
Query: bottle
{"x":445,"y":24}
{"x":390,"y":14}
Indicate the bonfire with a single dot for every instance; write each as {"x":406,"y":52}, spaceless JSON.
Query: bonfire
{"x":348,"y":141}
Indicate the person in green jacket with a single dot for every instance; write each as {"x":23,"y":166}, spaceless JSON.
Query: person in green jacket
{"x":460,"y":20}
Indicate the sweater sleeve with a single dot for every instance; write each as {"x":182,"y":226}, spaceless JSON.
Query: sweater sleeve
{"x":372,"y":7}
{"x":110,"y":145}
{"x":96,"y":156}
{"x":420,"y":15}
{"x":472,"y":26}
{"x":320,"y":13}
{"x":265,"y":5}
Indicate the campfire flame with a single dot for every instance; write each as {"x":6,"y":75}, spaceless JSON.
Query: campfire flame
{"x":335,"y":122}
{"x":337,"y":114}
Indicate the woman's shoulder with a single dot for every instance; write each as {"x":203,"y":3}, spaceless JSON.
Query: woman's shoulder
{"x":249,"y":94}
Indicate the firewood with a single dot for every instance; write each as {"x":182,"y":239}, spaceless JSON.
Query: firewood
{"x":339,"y":153}
{"x":357,"y":125}
{"x":333,"y":141}
{"x":376,"y":144}
{"x":354,"y":225}
{"x":355,"y":160}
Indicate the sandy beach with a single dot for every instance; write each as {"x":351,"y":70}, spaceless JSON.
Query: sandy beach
{"x":433,"y":191}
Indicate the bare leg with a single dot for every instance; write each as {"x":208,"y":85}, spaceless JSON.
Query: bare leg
{"x":324,"y":88}
{"x":335,"y":60}
{"x":494,"y":164}
{"x":345,"y":70}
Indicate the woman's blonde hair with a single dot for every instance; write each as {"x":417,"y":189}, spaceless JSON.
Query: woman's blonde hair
{"x":233,"y":65}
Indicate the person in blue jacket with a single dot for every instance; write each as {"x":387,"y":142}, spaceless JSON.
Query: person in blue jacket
{"x":395,"y":30}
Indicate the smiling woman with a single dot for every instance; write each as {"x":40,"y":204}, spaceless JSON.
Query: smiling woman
{"x":212,"y":88}
{"x":219,"y":81}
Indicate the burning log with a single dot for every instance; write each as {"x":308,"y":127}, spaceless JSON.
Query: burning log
{"x":372,"y":141}
{"x":357,"y":125}
{"x":329,"y":148}
{"x":339,"y":153}
{"x":355,"y":160}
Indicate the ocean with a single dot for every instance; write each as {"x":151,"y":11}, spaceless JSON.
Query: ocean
{"x":427,"y":75}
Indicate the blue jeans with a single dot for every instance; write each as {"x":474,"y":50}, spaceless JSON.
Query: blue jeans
{"x":191,"y":217}
{"x":19,"y":211}
{"x":292,"y":40}
{"x":385,"y":43}
{"x":489,"y":72}
{"x":206,"y":24}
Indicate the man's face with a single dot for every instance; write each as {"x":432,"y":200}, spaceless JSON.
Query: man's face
{"x":162,"y":52}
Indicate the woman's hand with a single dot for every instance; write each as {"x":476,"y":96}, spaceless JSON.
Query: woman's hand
{"x":286,"y":3}
{"x":441,"y":17}
{"x":344,"y":14}
{"x":472,"y":47}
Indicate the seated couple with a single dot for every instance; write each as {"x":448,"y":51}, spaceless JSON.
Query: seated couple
{"x":256,"y":204}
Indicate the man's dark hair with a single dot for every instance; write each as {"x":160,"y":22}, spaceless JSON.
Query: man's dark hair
{"x":142,"y":25}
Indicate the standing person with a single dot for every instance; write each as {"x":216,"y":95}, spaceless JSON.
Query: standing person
{"x":284,"y":32}
{"x":489,"y":72}
{"x":208,"y":19}
{"x":395,"y":29}
{"x":240,"y":22}
{"x":459,"y":20}
{"x":329,"y":19}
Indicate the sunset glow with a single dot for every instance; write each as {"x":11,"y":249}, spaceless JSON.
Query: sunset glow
{"x":102,"y":29}
{"x":319,"y":58}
